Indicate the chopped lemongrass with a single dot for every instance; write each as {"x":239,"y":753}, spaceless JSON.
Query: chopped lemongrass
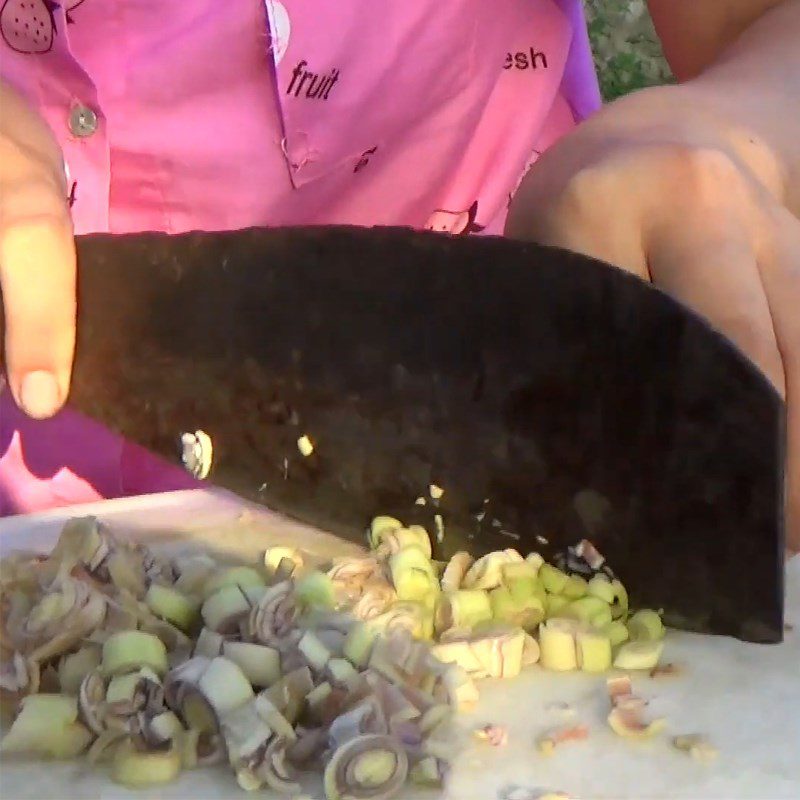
{"x":172,"y":606}
{"x":575,"y":587}
{"x":380,"y":526}
{"x":552,"y":579}
{"x":638,"y":655}
{"x":600,"y":586}
{"x":315,"y":590}
{"x":487,"y":571}
{"x":222,"y":610}
{"x":455,"y":570}
{"x":462,"y":609}
{"x":314,"y":652}
{"x":620,"y":608}
{"x":616,"y":632}
{"x":554,"y":604}
{"x":261,"y":665}
{"x":224,"y":685}
{"x":587,"y":609}
{"x":527,"y":613}
{"x":358,"y":643}
{"x":47,"y":725}
{"x":558,"y":647}
{"x":646,"y":626}
{"x":136,"y":769}
{"x":209,"y":643}
{"x":593,"y":651}
{"x":274,"y":555}
{"x":73,"y":668}
{"x":341,"y":671}
{"x":130,"y":650}
{"x":233,"y":576}
{"x":627,"y":723}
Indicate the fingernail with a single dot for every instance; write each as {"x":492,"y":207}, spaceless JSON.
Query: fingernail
{"x":39,"y":394}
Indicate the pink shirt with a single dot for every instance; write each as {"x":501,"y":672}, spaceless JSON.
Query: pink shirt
{"x":221,"y":114}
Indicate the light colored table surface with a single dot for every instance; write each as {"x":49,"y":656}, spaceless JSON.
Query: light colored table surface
{"x":746,"y":698}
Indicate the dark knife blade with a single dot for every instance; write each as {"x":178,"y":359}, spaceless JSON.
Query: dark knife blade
{"x":552,"y":397}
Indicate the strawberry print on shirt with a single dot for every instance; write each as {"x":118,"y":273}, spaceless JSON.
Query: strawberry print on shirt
{"x":28,"y":26}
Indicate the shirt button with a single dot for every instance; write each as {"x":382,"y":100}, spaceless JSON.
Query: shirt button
{"x":82,"y":121}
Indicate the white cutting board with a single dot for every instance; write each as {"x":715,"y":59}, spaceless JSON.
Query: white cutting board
{"x":745,"y":698}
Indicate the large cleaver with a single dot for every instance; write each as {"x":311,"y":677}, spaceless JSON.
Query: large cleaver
{"x":339,"y":373}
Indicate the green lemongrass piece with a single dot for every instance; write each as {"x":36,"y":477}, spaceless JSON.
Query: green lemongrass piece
{"x":554,"y":604}
{"x":399,"y":538}
{"x":464,"y":608}
{"x":487,"y":571}
{"x":414,"y":585}
{"x":166,"y":726}
{"x":593,"y":651}
{"x":126,"y":651}
{"x":460,"y":653}
{"x":638,"y":655}
{"x":527,"y":614}
{"x":455,"y":570}
{"x":318,"y":695}
{"x":411,"y":557}
{"x":198,"y":715}
{"x":557,"y":645}
{"x":575,"y":587}
{"x":379,"y":527}
{"x":426,"y":772}
{"x":314,"y":652}
{"x":280,"y":724}
{"x":358,"y":643}
{"x":136,"y":769}
{"x":587,"y":609}
{"x":122,"y":688}
{"x":552,"y":579}
{"x":73,"y":668}
{"x":224,"y":608}
{"x":274,"y":555}
{"x":172,"y":606}
{"x":535,"y":561}
{"x":461,"y":689}
{"x":261,"y":665}
{"x":126,"y":572}
{"x":517,"y":569}
{"x":620,"y":608}
{"x":600,"y":586}
{"x":224,"y":685}
{"x":646,"y":626}
{"x":341,"y":671}
{"x":193,"y":572}
{"x":209,"y":643}
{"x":523,"y":588}
{"x":315,"y":590}
{"x":616,"y":631}
{"x":233,"y":576}
{"x":47,"y":725}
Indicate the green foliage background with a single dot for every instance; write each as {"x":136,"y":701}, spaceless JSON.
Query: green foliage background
{"x":626,"y":49}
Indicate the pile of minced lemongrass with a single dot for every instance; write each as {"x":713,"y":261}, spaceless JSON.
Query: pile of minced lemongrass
{"x":157,"y":665}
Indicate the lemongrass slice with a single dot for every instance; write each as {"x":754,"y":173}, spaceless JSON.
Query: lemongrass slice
{"x":593,"y":651}
{"x":224,"y":685}
{"x":129,"y":650}
{"x":233,"y":576}
{"x":47,"y":725}
{"x":223,"y":610}
{"x":557,"y":643}
{"x":638,"y":655}
{"x":552,"y":579}
{"x":379,"y":527}
{"x":600,"y":586}
{"x":627,"y":722}
{"x":260,"y":664}
{"x":73,"y":668}
{"x":646,"y":626}
{"x":171,"y":605}
{"x":486,"y":572}
{"x":366,"y":767}
{"x":315,"y":590}
{"x":464,"y":608}
{"x":209,"y":643}
{"x":454,"y":572}
{"x":395,"y":540}
{"x":620,"y":608}
{"x":575,"y":587}
{"x":616,"y":631}
{"x":138,"y":769}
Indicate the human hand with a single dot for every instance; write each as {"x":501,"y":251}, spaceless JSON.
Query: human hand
{"x":37,"y":260}
{"x":694,"y":208}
